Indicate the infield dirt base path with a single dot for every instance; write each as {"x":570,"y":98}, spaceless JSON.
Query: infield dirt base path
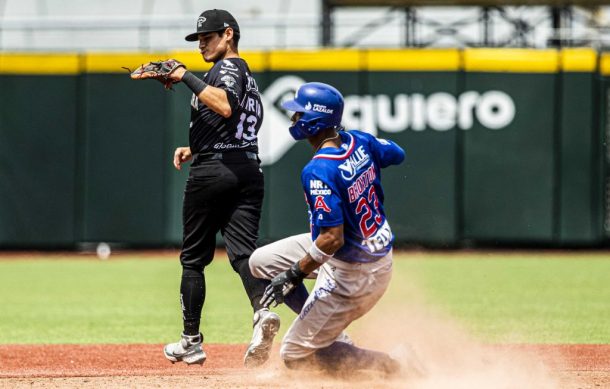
{"x":570,"y":366}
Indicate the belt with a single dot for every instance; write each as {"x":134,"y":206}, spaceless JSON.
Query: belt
{"x":228,"y":156}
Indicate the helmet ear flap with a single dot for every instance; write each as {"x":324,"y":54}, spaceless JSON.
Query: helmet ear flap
{"x":313,"y":126}
{"x":303,"y":125}
{"x":316,"y":127}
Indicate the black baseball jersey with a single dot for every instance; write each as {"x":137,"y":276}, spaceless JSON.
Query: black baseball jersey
{"x":212,"y":133}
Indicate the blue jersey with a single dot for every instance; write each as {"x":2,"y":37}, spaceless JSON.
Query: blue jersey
{"x":343,"y":186}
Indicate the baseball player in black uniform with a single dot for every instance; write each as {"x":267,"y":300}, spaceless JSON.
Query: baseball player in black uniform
{"x":224,"y":191}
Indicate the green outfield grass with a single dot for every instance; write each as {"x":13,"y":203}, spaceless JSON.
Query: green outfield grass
{"x":534,"y":298}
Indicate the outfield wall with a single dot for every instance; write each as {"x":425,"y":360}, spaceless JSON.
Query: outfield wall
{"x":503,"y":146}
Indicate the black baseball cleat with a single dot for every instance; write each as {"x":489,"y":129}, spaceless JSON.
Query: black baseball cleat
{"x":188,"y":350}
{"x":266,"y":325}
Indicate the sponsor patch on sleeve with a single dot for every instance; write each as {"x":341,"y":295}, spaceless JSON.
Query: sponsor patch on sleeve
{"x":318,"y":188}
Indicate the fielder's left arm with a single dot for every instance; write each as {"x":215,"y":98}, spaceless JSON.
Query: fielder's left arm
{"x":171,"y":71}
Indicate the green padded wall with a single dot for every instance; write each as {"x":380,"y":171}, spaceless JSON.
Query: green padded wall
{"x":37,"y":160}
{"x":125,"y":160}
{"x":509,"y":172}
{"x":578,"y":198}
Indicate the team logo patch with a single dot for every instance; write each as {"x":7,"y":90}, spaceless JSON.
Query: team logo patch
{"x":320,"y":204}
{"x":355,"y":162}
{"x":200,"y":21}
{"x":228,"y":80}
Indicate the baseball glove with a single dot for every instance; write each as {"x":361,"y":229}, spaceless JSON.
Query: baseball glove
{"x":159,"y":70}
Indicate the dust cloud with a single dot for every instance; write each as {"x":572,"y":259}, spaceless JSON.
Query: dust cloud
{"x":437,"y":353}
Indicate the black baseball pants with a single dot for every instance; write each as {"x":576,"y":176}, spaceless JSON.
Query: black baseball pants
{"x":223,"y":193}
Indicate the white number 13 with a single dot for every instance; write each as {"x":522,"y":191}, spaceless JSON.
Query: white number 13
{"x":251,"y":121}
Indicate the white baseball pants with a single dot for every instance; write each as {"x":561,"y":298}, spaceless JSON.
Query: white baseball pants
{"x":343,"y":292}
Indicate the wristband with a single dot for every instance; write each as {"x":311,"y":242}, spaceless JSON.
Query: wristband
{"x":296,"y":269}
{"x":318,"y":255}
{"x":194,"y":83}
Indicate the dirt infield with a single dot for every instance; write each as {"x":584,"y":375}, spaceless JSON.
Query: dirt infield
{"x":570,"y":366}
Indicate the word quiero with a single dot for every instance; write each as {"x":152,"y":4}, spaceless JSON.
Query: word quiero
{"x":439,"y":111}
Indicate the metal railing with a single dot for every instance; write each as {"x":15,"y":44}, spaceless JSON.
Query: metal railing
{"x":395,"y":27}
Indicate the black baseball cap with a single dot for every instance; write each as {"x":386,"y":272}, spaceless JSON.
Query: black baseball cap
{"x":213,"y":20}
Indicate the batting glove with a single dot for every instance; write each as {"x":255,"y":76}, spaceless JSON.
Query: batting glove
{"x":281,"y":285}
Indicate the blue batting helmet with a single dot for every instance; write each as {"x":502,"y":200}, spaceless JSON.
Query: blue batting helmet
{"x":321,"y":106}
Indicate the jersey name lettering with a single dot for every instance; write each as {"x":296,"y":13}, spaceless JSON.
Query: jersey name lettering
{"x":254,"y":106}
{"x":362,"y":182}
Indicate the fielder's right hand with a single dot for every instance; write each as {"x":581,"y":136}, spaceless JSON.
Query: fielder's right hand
{"x":181,"y":155}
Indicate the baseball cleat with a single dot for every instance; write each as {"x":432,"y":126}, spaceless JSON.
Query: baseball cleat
{"x":266,"y":325}
{"x":188,"y":350}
